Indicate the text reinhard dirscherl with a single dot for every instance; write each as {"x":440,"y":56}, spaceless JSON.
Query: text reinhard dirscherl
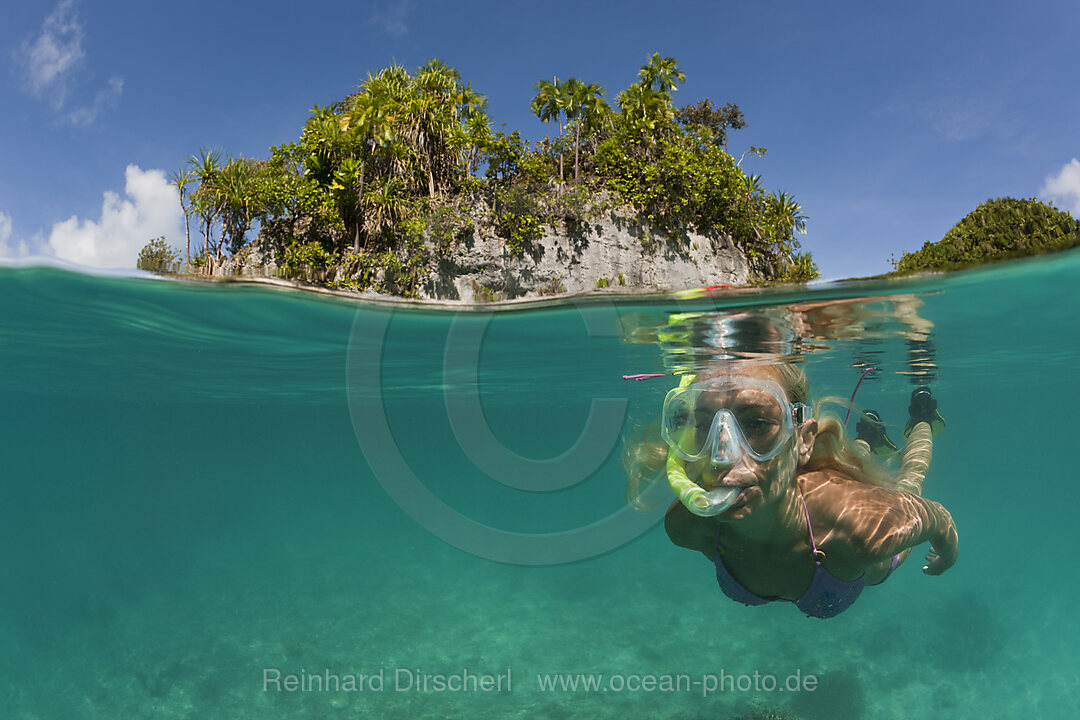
{"x":396,"y":680}
{"x":465,"y":680}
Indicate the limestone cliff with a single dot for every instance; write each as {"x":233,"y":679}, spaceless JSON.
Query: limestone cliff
{"x":614,"y":250}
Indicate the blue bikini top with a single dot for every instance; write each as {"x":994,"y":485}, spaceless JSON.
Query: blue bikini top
{"x":826,"y":596}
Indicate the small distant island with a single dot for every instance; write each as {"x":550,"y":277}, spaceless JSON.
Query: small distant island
{"x":1000,"y":229}
{"x":404,"y":187}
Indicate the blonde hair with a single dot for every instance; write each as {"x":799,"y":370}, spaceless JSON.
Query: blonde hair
{"x":645,"y":454}
{"x":833,"y":450}
{"x":644,"y":462}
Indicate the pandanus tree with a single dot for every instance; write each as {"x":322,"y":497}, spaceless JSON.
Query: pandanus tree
{"x":752,"y":201}
{"x":429,"y":117}
{"x":784,"y":218}
{"x":787,"y":220}
{"x":238,"y":200}
{"x":437,"y":108}
{"x":206,"y":202}
{"x":402,"y":135}
{"x":180,"y":179}
{"x":469,"y":102}
{"x":227,"y":193}
{"x":364,"y":129}
{"x":386,"y":202}
{"x":479,"y":138}
{"x":432,"y":115}
{"x":751,"y":187}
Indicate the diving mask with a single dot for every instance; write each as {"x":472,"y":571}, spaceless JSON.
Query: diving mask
{"x":723,"y":418}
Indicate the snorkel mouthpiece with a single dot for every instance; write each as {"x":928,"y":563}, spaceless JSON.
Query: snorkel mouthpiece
{"x":716,"y":501}
{"x":693,"y":496}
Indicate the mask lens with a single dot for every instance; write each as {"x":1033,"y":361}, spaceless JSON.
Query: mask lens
{"x":760,"y":415}
{"x":684,"y":427}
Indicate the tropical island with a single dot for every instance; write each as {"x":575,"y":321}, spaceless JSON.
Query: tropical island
{"x":999,"y":229}
{"x":404,"y":187}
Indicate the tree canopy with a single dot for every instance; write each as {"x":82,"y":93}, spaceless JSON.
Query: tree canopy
{"x":996,"y":230}
{"x":379,"y":177}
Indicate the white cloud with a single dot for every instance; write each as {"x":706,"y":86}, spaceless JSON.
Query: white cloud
{"x":50,"y":59}
{"x":10,"y":249}
{"x":1065,"y":186}
{"x":151,"y":209}
{"x":50,"y":62}
{"x":105,"y":98}
{"x":391,"y":16}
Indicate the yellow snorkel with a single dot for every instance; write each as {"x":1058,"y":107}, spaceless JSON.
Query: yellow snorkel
{"x":690,"y":494}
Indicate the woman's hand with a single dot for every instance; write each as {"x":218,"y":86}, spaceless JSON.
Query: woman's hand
{"x":943,"y":552}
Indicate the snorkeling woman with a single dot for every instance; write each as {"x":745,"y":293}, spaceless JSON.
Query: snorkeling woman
{"x":783,"y":504}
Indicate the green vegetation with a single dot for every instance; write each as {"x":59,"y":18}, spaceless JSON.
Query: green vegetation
{"x":484,"y":294}
{"x":553,"y":287}
{"x":409,"y":165}
{"x":996,"y":230}
{"x":158,"y":256}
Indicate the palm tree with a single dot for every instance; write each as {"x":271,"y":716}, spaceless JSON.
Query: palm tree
{"x":643,"y":107}
{"x":584,"y":104}
{"x":596,"y":113}
{"x":470,"y":101}
{"x":475,"y":124}
{"x":550,"y":102}
{"x":180,"y":179}
{"x":661,"y":74}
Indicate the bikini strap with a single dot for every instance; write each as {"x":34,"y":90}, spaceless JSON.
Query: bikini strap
{"x":819,"y":555}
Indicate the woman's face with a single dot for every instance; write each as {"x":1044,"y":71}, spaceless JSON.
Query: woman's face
{"x":762,"y":482}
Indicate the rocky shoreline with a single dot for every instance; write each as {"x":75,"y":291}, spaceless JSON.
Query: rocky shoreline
{"x":614,"y":251}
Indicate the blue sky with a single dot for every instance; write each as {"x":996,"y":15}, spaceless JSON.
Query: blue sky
{"x":889,"y":122}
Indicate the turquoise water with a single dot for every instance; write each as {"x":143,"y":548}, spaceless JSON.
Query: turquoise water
{"x":207,"y":488}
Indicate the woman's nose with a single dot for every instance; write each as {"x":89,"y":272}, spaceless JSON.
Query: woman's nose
{"x":737,"y":474}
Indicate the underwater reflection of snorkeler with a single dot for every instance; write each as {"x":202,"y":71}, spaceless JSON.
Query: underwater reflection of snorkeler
{"x":783,"y":503}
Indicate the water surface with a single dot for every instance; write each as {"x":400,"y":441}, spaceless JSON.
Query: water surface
{"x":206,"y":484}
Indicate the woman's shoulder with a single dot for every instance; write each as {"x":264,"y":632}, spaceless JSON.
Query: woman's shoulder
{"x":832,"y":485}
{"x":852,"y":512}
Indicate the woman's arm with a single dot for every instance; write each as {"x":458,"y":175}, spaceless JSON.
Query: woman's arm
{"x":880,"y":523}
